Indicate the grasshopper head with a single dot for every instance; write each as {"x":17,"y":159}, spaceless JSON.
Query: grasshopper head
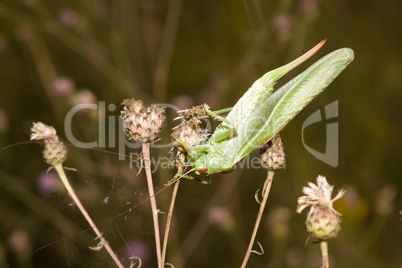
{"x":201,"y":164}
{"x":213,"y":163}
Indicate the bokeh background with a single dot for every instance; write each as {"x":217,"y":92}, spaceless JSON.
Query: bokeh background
{"x":57,"y":54}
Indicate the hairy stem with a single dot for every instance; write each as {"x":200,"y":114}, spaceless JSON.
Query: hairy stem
{"x":267,"y":188}
{"x":70,"y":190}
{"x":145,"y":151}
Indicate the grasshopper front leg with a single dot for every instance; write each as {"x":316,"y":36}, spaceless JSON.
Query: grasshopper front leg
{"x":215,"y":114}
{"x":230,"y":128}
{"x":202,"y":111}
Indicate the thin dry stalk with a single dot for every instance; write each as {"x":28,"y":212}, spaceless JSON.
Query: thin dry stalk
{"x":171,"y":207}
{"x":103,"y":242}
{"x":161,"y":72}
{"x":266,"y":191}
{"x":145,"y":151}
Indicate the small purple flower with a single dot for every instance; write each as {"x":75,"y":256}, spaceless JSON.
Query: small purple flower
{"x":19,"y":241}
{"x":68,"y":17}
{"x":63,"y":86}
{"x":219,"y":215}
{"x":48,"y":183}
{"x":283,"y":26}
{"x":137,"y":248}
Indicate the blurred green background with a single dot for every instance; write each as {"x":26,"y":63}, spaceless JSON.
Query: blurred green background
{"x":57,"y":54}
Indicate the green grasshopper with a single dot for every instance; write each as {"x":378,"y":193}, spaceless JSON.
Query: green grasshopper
{"x":260,"y":114}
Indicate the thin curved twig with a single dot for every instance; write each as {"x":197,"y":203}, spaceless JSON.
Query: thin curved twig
{"x":266,"y":191}
{"x":261,"y":248}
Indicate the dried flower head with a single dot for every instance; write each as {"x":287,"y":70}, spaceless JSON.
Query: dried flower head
{"x":55,"y":151}
{"x":142,"y":124}
{"x":198,"y":112}
{"x":188,"y":134}
{"x":272,"y":154}
{"x":323,"y":221}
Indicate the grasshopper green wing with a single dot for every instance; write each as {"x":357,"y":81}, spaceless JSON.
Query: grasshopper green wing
{"x":272,"y":114}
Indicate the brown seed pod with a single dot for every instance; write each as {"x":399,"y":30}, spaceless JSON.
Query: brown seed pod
{"x":188,"y":134}
{"x":142,"y":124}
{"x":199,"y":111}
{"x":272,"y":154}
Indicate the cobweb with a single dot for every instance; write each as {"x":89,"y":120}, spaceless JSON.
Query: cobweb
{"x":113,"y":189}
{"x":108,"y":182}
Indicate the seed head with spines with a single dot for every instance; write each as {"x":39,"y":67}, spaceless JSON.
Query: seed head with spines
{"x":199,"y":111}
{"x":188,"y":134}
{"x":272,"y":154}
{"x":323,"y":221}
{"x":55,"y":151}
{"x":142,"y":124}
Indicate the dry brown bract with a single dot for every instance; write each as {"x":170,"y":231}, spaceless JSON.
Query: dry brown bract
{"x":142,"y":124}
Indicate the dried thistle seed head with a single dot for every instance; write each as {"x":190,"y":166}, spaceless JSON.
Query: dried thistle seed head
{"x":323,"y":221}
{"x":141,"y":124}
{"x":188,"y":134}
{"x":132,"y":106}
{"x":272,"y":155}
{"x":55,"y":151}
{"x":156,"y":117}
{"x":199,"y":111}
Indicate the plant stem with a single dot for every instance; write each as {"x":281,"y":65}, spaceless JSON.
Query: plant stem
{"x":70,"y":190}
{"x":161,"y":72}
{"x":145,"y":151}
{"x":324,"y":253}
{"x":267,"y":188}
{"x":171,"y":207}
